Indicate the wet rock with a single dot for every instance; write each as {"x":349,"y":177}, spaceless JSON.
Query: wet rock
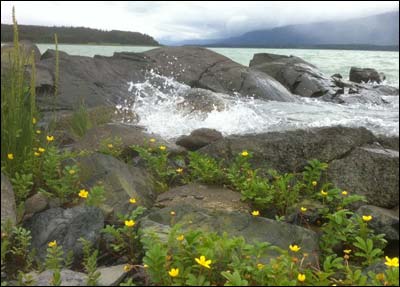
{"x":369,"y":170}
{"x":383,"y":221}
{"x":8,"y":207}
{"x":360,"y":75}
{"x":203,"y":68}
{"x":112,"y":275}
{"x":297,"y":75}
{"x":121,"y":182}
{"x":68,"y":278}
{"x":304,"y":79}
{"x":389,"y":142}
{"x":201,"y":101}
{"x":220,"y":210}
{"x":199,"y":138}
{"x":65,"y":226}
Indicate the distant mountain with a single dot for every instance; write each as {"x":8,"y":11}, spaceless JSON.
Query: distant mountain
{"x":369,"y":32}
{"x":76,"y":35}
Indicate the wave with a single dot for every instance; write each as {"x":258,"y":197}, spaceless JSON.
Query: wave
{"x":159,"y":105}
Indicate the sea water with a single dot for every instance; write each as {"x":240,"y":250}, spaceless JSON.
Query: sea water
{"x":159,"y":110}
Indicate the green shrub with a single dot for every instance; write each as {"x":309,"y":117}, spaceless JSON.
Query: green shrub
{"x":205,"y":169}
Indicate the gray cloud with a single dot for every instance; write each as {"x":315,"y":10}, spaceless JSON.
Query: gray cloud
{"x":176,"y":21}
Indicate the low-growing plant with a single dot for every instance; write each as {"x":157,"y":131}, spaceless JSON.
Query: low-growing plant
{"x":17,"y":258}
{"x":90,"y":262}
{"x":94,"y":197}
{"x":80,"y":122}
{"x":22,"y":185}
{"x":157,"y":161}
{"x":312,"y":174}
{"x":205,"y":169}
{"x":124,"y":238}
{"x":112,"y":146}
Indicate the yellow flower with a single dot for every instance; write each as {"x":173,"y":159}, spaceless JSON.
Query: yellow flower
{"x":38,"y":132}
{"x":244,"y":153}
{"x":132,"y":200}
{"x":36,"y":153}
{"x":260,"y":266}
{"x":203,"y":262}
{"x":110,"y":145}
{"x":152,"y":140}
{"x":173,"y":272}
{"x":50,"y":138}
{"x":303,"y":209}
{"x":314,"y":183}
{"x":145,"y":266}
{"x":344,"y":193}
{"x":83,"y":193}
{"x":367,"y":218}
{"x":255,"y":213}
{"x":71,"y":171}
{"x":162,"y":147}
{"x":172,"y":213}
{"x":52,"y":243}
{"x":127,"y":268}
{"x":10,"y":156}
{"x":301,"y":277}
{"x":394,"y":262}
{"x":41,"y":149}
{"x":33,"y":121}
{"x":180,"y":237}
{"x":129,"y":223}
{"x":179,"y":170}
{"x":347,"y":251}
{"x":324,"y":193}
{"x":294,"y":248}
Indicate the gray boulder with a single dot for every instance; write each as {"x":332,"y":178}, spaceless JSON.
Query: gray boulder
{"x":289,"y":151}
{"x":68,"y":278}
{"x":98,"y":81}
{"x":383,"y":220}
{"x":369,"y":170}
{"x":199,"y":138}
{"x":203,"y":68}
{"x":112,"y":275}
{"x":121,"y":182}
{"x":304,"y":79}
{"x":220,"y":210}
{"x":26,"y":47}
{"x":8,"y":207}
{"x":65,"y":226}
{"x":355,"y":164}
{"x":297,"y":75}
{"x":360,"y":75}
{"x":34,"y":204}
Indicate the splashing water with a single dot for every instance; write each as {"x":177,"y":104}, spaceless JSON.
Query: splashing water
{"x":159,"y":103}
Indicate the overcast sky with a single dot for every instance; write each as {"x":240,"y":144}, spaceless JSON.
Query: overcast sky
{"x":176,"y":21}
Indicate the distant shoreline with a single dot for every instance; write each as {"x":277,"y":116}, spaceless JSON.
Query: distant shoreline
{"x":316,"y":47}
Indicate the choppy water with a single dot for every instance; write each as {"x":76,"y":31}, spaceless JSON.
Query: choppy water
{"x":158,"y":107}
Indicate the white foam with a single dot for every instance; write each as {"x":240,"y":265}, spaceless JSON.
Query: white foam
{"x":157,"y":103}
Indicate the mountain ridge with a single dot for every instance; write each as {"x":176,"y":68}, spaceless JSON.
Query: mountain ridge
{"x":373,"y":31}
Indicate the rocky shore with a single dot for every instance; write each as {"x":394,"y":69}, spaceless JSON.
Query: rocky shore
{"x":358,"y":161}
